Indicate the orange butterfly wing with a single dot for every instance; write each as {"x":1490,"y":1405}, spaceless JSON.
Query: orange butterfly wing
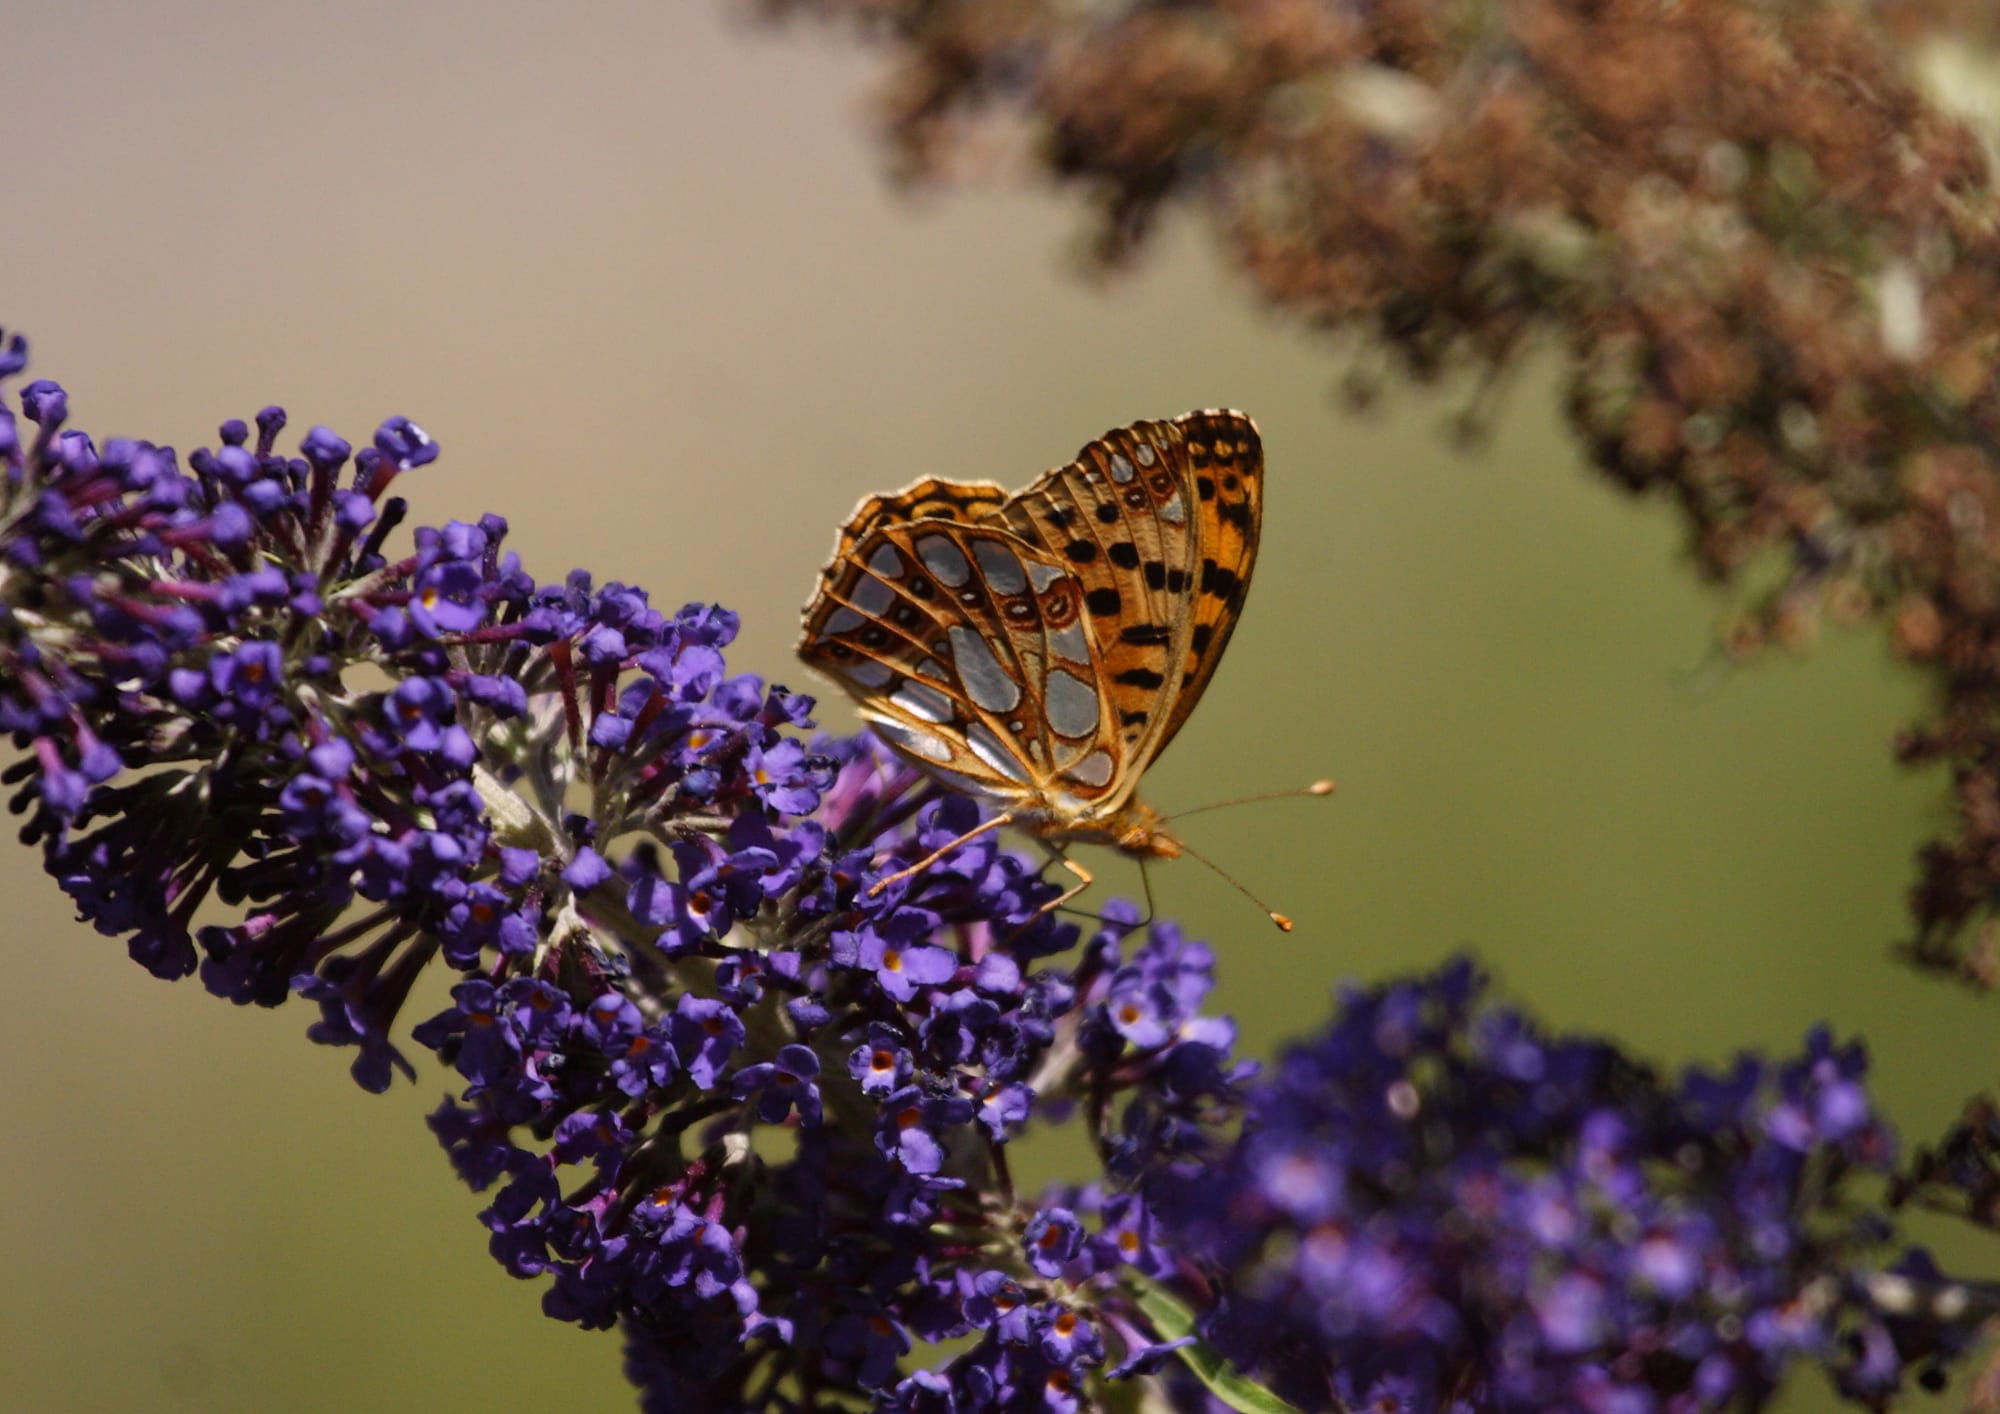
{"x":1161,"y":521}
{"x":1046,"y":647}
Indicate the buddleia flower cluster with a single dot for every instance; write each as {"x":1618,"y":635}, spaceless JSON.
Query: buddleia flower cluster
{"x":730,"y":1084}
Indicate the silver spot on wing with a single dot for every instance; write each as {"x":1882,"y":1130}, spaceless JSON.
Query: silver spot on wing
{"x":1121,"y":468}
{"x":998,"y":564}
{"x":1144,"y":454}
{"x":870,"y":674}
{"x":871,"y":595}
{"x":986,"y":682}
{"x":886,"y":563}
{"x":924,"y":701}
{"x":942,"y":558}
{"x":1042,"y":576}
{"x":842,"y":620}
{"x":1070,"y":703}
{"x":1070,"y":643}
{"x":1093,"y":770}
{"x":988,"y":748}
{"x":917,"y":743}
{"x":958,"y":780}
{"x":1174,"y":512}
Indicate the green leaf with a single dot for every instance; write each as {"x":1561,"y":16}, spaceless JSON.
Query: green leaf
{"x":1173,"y":1319}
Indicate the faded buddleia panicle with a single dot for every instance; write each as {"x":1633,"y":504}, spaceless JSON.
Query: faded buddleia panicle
{"x":1768,"y":259}
{"x":724,"y":1096}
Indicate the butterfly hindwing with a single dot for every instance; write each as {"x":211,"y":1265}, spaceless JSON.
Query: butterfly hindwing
{"x":930,"y":498}
{"x":966,"y":647}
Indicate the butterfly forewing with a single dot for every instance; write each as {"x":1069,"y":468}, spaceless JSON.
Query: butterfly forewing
{"x":1141,"y":515}
{"x":1225,"y":469}
{"x":1043,"y":648}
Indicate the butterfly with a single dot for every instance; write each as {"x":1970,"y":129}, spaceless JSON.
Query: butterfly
{"x":1041,"y":649}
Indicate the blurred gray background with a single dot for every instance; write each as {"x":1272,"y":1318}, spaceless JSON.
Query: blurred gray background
{"x":637,"y":268}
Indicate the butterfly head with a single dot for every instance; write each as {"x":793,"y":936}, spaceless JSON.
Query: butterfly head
{"x":1138,"y":830}
{"x":1135,"y":828}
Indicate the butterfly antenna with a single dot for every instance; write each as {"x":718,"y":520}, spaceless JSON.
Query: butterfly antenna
{"x":1284,"y":923}
{"x":1316,"y":788}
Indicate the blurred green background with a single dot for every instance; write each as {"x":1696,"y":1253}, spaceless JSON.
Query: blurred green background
{"x":636,"y":267}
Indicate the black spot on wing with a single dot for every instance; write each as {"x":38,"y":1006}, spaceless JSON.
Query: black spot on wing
{"x":1139,"y":677}
{"x":1124,"y":554}
{"x":1103,"y":602}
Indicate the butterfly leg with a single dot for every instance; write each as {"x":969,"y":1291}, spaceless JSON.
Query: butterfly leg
{"x":940,"y":852}
{"x":1084,"y":879}
{"x":1145,"y":878}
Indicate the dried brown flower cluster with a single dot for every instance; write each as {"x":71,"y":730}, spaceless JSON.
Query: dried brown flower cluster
{"x":1771,"y":262}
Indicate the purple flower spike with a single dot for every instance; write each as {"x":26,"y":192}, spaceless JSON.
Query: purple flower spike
{"x":720,"y":1093}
